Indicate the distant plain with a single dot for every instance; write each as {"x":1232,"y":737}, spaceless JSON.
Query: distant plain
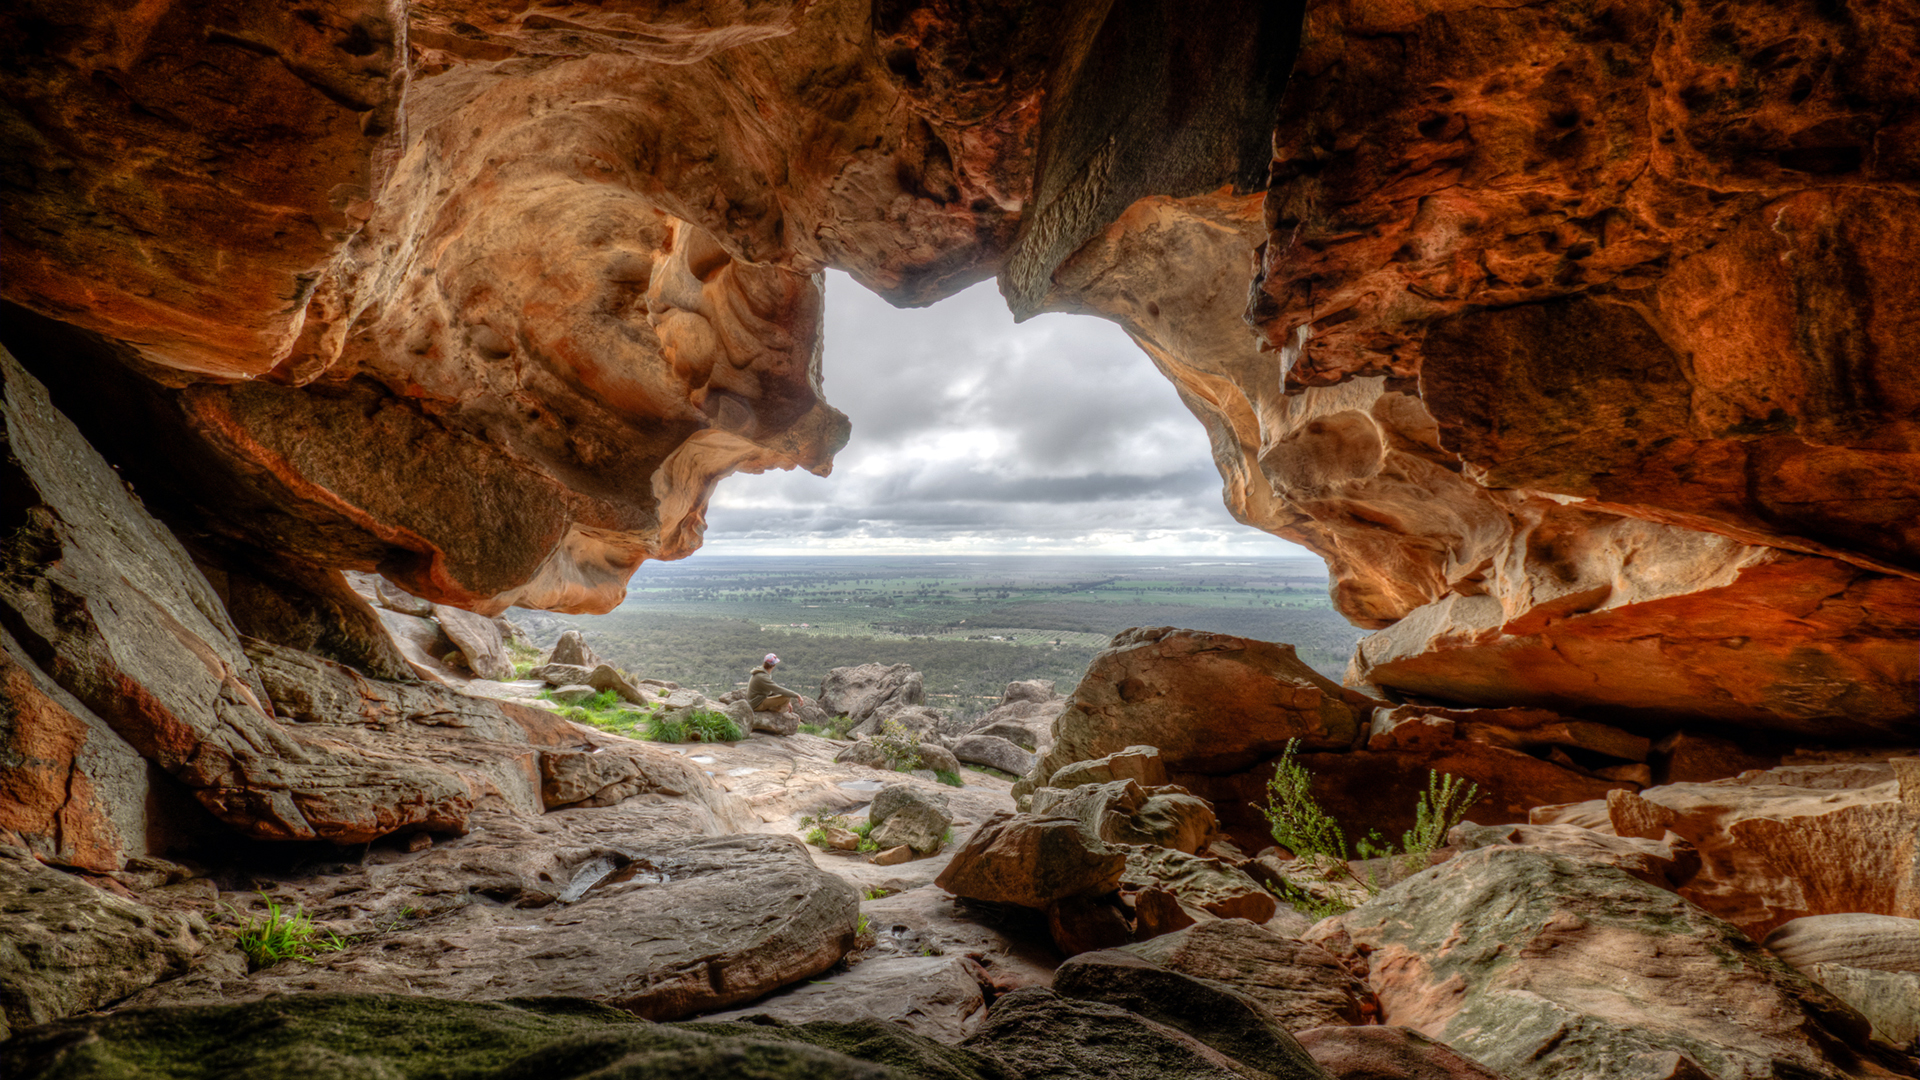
{"x":970,"y":624}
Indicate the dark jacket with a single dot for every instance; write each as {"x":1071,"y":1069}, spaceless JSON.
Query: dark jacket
{"x":760,"y":687}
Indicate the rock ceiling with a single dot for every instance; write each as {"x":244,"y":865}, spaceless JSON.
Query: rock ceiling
{"x":1576,"y":339}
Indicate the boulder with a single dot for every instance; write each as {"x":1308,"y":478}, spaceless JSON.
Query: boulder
{"x":478,"y":640}
{"x":916,"y":721}
{"x":1388,"y":1053}
{"x":1123,"y":812}
{"x":907,"y":814}
{"x":561,"y":674}
{"x":1210,"y":1012}
{"x":1890,"y":1000}
{"x":1207,"y":884}
{"x":1087,"y":923}
{"x":1668,"y":863}
{"x":654,"y":921}
{"x":937,"y":758}
{"x":784,"y":722}
{"x":1298,"y":985}
{"x":423,"y":643}
{"x":1789,"y":842}
{"x":1879,"y":942}
{"x":1038,"y":1033}
{"x":1421,"y":727}
{"x":935,"y":997}
{"x":1176,"y":689}
{"x":394,"y":598}
{"x":70,"y":947}
{"x":1031,"y":861}
{"x":572,"y":649}
{"x":1691,"y":757}
{"x":572,"y":694}
{"x":893,"y":856}
{"x":1541,"y":965}
{"x":861,"y":692}
{"x":1019,"y":734}
{"x":153,"y":654}
{"x":607,"y":677}
{"x":863,"y":752}
{"x":994,"y":752}
{"x":1142,"y":764}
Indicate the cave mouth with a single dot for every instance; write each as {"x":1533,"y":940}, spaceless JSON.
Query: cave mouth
{"x":976,"y":434}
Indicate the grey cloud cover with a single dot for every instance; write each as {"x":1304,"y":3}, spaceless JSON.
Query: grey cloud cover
{"x":974,"y":435}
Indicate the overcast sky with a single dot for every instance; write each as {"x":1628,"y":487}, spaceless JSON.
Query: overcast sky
{"x":972,"y":435}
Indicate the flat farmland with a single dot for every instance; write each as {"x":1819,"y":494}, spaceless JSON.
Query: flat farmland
{"x":969,"y":624}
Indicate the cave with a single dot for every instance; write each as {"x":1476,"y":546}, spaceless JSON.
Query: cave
{"x":1570,"y":337}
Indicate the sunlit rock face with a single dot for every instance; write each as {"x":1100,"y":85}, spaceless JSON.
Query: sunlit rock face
{"x":1572,"y":338}
{"x":1578,"y":352}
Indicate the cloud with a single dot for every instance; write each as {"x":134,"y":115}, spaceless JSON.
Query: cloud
{"x":972,"y":435}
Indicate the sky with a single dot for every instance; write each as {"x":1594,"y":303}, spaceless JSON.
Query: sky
{"x":973,"y":435}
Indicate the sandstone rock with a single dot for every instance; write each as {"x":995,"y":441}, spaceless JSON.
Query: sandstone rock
{"x":938,"y":758}
{"x":1877,"y":942}
{"x":1175,"y":689}
{"x":861,"y":692}
{"x":71,"y":790}
{"x":607,"y":677}
{"x":1025,"y":714}
{"x":351,"y":1036}
{"x":478,"y":639}
{"x":1139,"y":763}
{"x":71,"y":947}
{"x":935,"y":997}
{"x":893,"y":856}
{"x":1020,"y":735}
{"x":1416,"y":727}
{"x":609,"y":775}
{"x":1041,"y":1034}
{"x":1081,"y":924}
{"x":1668,"y":863}
{"x":1297,"y":985}
{"x":423,"y":643}
{"x":573,"y":693}
{"x":1687,"y":757}
{"x":292,"y":603}
{"x":394,"y":598}
{"x":1536,"y":950}
{"x":1199,"y":882}
{"x":1388,"y":1053}
{"x":151,"y":653}
{"x":994,"y":752}
{"x":1779,"y":845}
{"x":561,"y":674}
{"x":1123,"y":812}
{"x":661,"y":925}
{"x":864,"y":752}
{"x":907,"y":814}
{"x":572,"y":649}
{"x":1208,"y":1011}
{"x":1157,"y":911}
{"x":773,"y":723}
{"x":1890,"y":1000}
{"x":1030,"y":861}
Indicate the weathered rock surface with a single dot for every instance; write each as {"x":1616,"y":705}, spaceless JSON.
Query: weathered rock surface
{"x":1123,"y":812}
{"x":1208,"y":702}
{"x":1142,"y":764}
{"x":1198,"y":881}
{"x":1209,"y":1011}
{"x":1297,"y":984}
{"x":1669,"y":862}
{"x":661,"y":925}
{"x":479,"y":641}
{"x":1388,"y":1053}
{"x":1538,"y":965}
{"x":905,"y":814}
{"x":1879,"y":942}
{"x":1890,"y":1000}
{"x":994,"y":752}
{"x":936,"y":997}
{"x":352,"y":1036}
{"x":572,"y":648}
{"x":863,"y":692}
{"x":68,"y":947}
{"x":1041,"y":1034}
{"x":1789,"y":842}
{"x":1032,"y":861}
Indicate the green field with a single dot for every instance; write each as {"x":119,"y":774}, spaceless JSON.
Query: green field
{"x":970,"y":625}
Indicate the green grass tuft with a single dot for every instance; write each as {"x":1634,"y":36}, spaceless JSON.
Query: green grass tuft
{"x":277,"y":935}
{"x":949,"y":778}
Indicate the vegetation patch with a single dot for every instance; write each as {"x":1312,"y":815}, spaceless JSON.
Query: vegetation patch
{"x":1301,"y":825}
{"x":691,"y":725}
{"x":273,"y":935}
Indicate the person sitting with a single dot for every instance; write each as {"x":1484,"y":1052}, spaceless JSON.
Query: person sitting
{"x":763,"y":693}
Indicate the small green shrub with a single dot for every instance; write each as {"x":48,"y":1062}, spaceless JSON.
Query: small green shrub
{"x":901,"y":746}
{"x":864,"y":831}
{"x":667,"y":726}
{"x":1301,"y":825}
{"x":711,"y":726}
{"x":949,"y":778}
{"x":277,"y":935}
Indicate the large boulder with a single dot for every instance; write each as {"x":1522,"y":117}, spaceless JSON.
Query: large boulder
{"x":1039,"y":1033}
{"x":1210,"y":703}
{"x":1123,"y":812}
{"x":1297,"y":984}
{"x":1139,"y":763}
{"x":863,"y":691}
{"x":1882,"y":942}
{"x":479,"y":642}
{"x":1540,"y":965}
{"x":1215,"y":1014}
{"x":911,"y":815}
{"x":1669,"y":862}
{"x":572,"y":648}
{"x":994,"y":752}
{"x":1031,"y":861}
{"x":936,"y":997}
{"x":1788,"y":842}
{"x":1201,"y":882}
